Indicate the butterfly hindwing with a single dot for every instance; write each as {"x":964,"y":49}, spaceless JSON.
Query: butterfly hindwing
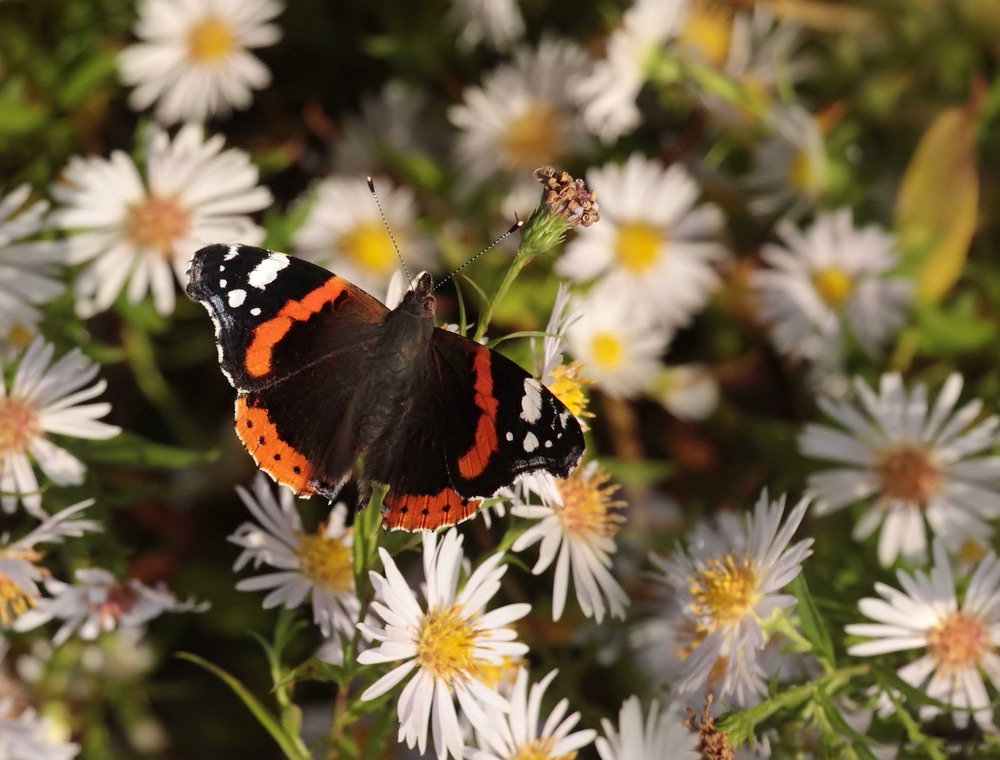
{"x":484,"y":422}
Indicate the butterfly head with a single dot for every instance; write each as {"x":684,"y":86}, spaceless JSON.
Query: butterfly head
{"x":420,"y":298}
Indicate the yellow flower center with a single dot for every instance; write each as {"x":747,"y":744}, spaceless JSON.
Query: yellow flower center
{"x":368,"y":246}
{"x":14,"y":600}
{"x":541,"y":749}
{"x":958,"y":643}
{"x":156,"y":223}
{"x":588,"y":509}
{"x":19,"y":336}
{"x":907,"y":473}
{"x":18,"y":426}
{"x":567,"y":386}
{"x":638,"y":245}
{"x":834,"y":285}
{"x":724,"y":591}
{"x":533,"y":138}
{"x":708,"y":30}
{"x":970,"y":551}
{"x":606,"y":350}
{"x":327,"y":561}
{"x":211,"y":40}
{"x":803,"y":175}
{"x":445,"y":646}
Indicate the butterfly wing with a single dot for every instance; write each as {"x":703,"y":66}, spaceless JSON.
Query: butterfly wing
{"x":486,"y":419}
{"x":278,"y":318}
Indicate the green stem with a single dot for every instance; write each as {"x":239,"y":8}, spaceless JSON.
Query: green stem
{"x":521,"y":260}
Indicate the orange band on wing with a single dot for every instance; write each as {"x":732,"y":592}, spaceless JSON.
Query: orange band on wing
{"x":275,"y":457}
{"x":474,"y":461}
{"x":267,"y":334}
{"x":427,"y":511}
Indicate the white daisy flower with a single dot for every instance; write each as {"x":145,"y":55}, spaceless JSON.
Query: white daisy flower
{"x":318,"y":565}
{"x":961,"y":640}
{"x":618,"y":341}
{"x":28,"y":268}
{"x":578,"y":520}
{"x":662,"y":734}
{"x":522,"y":117}
{"x":45,"y":398}
{"x":497,"y":21}
{"x":143,"y":231}
{"x":910,"y":463}
{"x":447,"y":645}
{"x":26,"y":736}
{"x":20,"y":572}
{"x":656,"y":244}
{"x":345,"y":232}
{"x":608,"y":93}
{"x":687,"y":391}
{"x":790,"y":169}
{"x":827,"y":281}
{"x":193,"y":60}
{"x":519,"y":735}
{"x":726,"y":584}
{"x":98,"y":602}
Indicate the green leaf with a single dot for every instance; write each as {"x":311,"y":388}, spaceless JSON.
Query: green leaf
{"x":638,"y":472}
{"x":813,"y":626}
{"x":291,"y":746}
{"x":87,"y":77}
{"x":957,"y":329}
{"x":859,"y":742}
{"x":131,"y":449}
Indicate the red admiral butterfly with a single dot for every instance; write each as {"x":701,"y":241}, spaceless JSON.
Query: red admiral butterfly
{"x":327,"y":375}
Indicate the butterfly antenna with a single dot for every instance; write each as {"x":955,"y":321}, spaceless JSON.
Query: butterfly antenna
{"x":514,"y":227}
{"x":371,"y":189}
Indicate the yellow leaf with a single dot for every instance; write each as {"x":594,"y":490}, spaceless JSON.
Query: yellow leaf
{"x":938,"y":202}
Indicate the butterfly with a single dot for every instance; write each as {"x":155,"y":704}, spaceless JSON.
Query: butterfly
{"x":330,"y":380}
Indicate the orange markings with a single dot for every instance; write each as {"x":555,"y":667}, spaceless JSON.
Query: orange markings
{"x":275,"y":457}
{"x":427,"y":511}
{"x":267,"y":334}
{"x":474,"y":461}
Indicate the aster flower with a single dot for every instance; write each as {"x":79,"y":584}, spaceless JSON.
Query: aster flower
{"x":28,"y":268}
{"x":345,"y":232}
{"x":566,"y":381}
{"x":318,"y":565}
{"x":193,"y":60}
{"x":45,"y":398}
{"x":144,"y":231}
{"x":653,"y":243}
{"x":910,"y":464}
{"x":446,"y":646}
{"x":960,"y":640}
{"x":790,"y":169}
{"x":522,"y":117}
{"x":827,"y":281}
{"x":726,"y":585}
{"x":618,"y":342}
{"x":26,"y":736}
{"x":687,"y":391}
{"x":607,"y":94}
{"x":497,"y":21}
{"x":20,"y":572}
{"x":518,"y":734}
{"x":98,"y":602}
{"x":662,"y":734}
{"x":578,"y":520}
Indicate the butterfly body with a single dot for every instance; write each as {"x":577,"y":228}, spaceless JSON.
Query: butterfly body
{"x":327,"y":377}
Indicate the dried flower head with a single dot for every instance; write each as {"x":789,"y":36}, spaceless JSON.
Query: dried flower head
{"x":568,"y":197}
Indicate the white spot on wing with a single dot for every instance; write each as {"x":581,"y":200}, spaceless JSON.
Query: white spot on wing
{"x":264,"y":273}
{"x":548,"y":444}
{"x":531,"y":401}
{"x":510,"y":436}
{"x":234,"y":251}
{"x":530,"y":442}
{"x":223,"y":283}
{"x":255,"y":311}
{"x":236,"y":297}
